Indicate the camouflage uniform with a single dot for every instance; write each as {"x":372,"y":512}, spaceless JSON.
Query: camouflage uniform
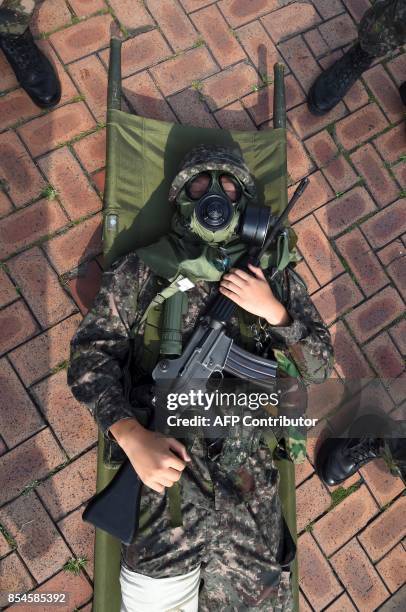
{"x":15,"y":16}
{"x":232,"y":521}
{"x":383,"y":27}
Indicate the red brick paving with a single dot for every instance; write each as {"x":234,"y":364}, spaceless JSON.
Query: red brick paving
{"x":16,"y":425}
{"x":201,"y":63}
{"x":214,"y":30}
{"x":131,"y":14}
{"x":174,"y":24}
{"x":82,"y":38}
{"x":386,"y":225}
{"x":40,"y":287}
{"x":62,"y":411}
{"x":359,"y":577}
{"x":344,"y":521}
{"x":61,"y":125}
{"x":383,"y":486}
{"x":339,"y":214}
{"x":385,"y":531}
{"x":146,"y":99}
{"x":322,"y":148}
{"x":91,"y":151}
{"x":362,"y":261}
{"x":8,"y":292}
{"x":317,"y":250}
{"x":317,"y":579}
{"x":305,"y":124}
{"x":190,"y":109}
{"x":367,"y":319}
{"x":37,"y":357}
{"x":393,"y":568}
{"x":342,"y":604}
{"x":371,"y":167}
{"x":349,"y":360}
{"x":39,"y":543}
{"x":90,"y":77}
{"x":384,"y":356}
{"x":18,"y":172}
{"x":290,"y":20}
{"x":317,"y":194}
{"x":79,"y":535}
{"x":17,"y":325}
{"x":360,"y":126}
{"x":73,"y":189}
{"x":141,"y":51}
{"x":77,"y":587}
{"x":15,"y":577}
{"x":337,"y":297}
{"x":69,"y":488}
{"x":312,"y":500}
{"x":27,"y":462}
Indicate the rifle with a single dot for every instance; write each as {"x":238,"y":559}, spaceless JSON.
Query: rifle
{"x":116,"y":508}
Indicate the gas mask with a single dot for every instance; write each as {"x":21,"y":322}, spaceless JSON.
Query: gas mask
{"x":216,"y":217}
{"x":216,"y":207}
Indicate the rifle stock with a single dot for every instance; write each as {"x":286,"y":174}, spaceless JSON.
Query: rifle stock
{"x":116,"y":508}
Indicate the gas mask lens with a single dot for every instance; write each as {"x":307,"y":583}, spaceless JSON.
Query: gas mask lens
{"x":198,"y":186}
{"x":231,"y":187}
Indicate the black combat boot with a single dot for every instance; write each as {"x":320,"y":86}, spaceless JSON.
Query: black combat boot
{"x":33,"y":70}
{"x":339,"y":458}
{"x":332,"y":85}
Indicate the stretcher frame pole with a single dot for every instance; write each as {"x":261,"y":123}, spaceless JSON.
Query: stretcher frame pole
{"x":279,"y":102}
{"x":286,"y":468}
{"x":114,"y":86}
{"x":107,"y":549}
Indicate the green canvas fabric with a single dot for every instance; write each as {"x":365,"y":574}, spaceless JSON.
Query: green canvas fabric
{"x":143,"y":157}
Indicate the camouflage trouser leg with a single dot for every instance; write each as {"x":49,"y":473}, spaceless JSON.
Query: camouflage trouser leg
{"x":15,"y":15}
{"x":383,"y":27}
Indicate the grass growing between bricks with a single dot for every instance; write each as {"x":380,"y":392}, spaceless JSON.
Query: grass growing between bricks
{"x":341,"y":493}
{"x":59,"y":367}
{"x":75,"y":565}
{"x":49,"y":192}
{"x":8,"y":537}
{"x":30,"y":487}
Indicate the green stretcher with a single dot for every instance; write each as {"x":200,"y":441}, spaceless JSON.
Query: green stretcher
{"x":143,"y":156}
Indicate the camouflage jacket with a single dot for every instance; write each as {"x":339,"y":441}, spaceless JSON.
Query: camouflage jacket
{"x":100,"y":348}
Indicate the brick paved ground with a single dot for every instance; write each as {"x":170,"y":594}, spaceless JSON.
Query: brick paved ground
{"x":208,"y":63}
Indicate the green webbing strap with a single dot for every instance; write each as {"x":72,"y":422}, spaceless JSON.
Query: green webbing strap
{"x":165,"y":339}
{"x":270,"y":440}
{"x":283,"y":253}
{"x":175,"y":509}
{"x":245,"y":329}
{"x":287,"y":494}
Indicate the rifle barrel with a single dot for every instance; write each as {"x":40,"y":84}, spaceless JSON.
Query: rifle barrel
{"x":298,"y":192}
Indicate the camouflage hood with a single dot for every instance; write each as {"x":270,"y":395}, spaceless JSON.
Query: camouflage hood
{"x":204,"y":158}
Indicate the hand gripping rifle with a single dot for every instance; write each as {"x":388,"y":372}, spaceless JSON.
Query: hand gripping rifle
{"x":116,"y":508}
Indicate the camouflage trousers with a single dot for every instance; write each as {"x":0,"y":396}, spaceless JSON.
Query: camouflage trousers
{"x":232,"y":526}
{"x":15,"y":15}
{"x":383,"y":27}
